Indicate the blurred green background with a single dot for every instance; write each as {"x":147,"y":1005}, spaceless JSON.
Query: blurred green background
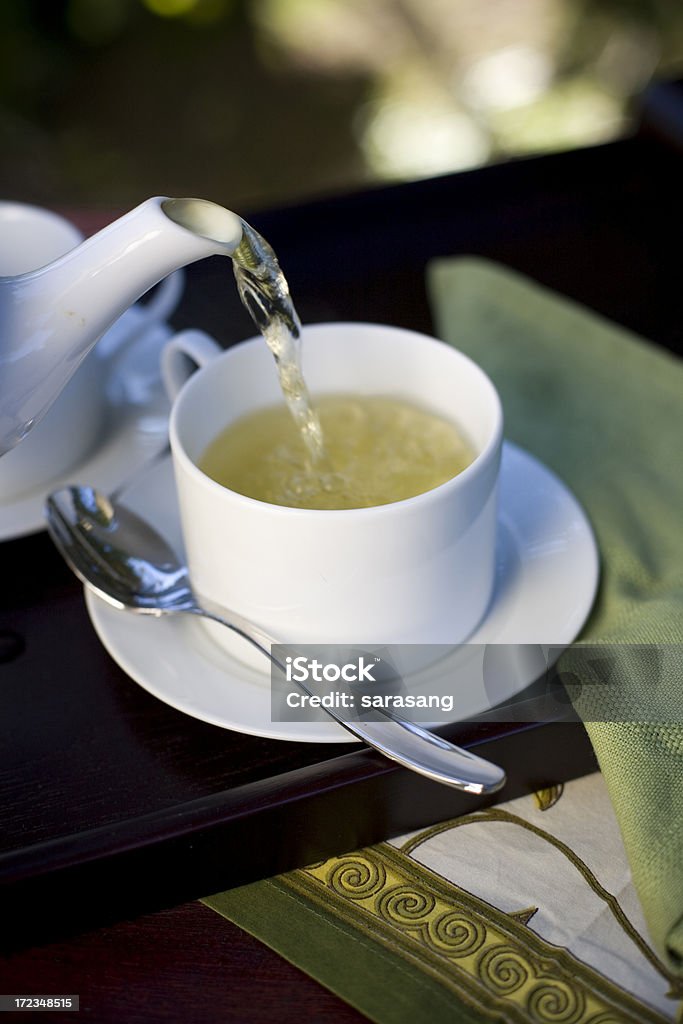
{"x":258,"y":102}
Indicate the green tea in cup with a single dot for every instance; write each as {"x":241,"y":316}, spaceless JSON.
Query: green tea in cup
{"x":378,"y":449}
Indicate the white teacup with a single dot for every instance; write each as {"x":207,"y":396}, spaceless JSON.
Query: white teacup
{"x":31,"y":237}
{"x":417,"y":571}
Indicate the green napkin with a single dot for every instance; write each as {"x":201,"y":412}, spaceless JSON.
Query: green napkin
{"x":604,"y":409}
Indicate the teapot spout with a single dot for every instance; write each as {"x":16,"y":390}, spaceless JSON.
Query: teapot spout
{"x":51,"y":318}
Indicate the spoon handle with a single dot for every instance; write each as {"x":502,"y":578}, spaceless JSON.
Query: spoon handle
{"x":407,"y":743}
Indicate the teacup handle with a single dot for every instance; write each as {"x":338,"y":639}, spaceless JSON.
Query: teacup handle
{"x":184,"y":353}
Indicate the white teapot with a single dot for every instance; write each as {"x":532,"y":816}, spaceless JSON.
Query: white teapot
{"x":52,"y":316}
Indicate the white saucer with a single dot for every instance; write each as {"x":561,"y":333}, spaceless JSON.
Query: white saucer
{"x":547,"y":575}
{"x":136,"y":427}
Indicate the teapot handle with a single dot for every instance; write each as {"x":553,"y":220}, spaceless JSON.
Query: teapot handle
{"x":135,"y":323}
{"x":184,"y":353}
{"x":166,"y":297}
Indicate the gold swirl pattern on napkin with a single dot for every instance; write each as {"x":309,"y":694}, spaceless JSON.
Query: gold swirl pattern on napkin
{"x":491,"y":960}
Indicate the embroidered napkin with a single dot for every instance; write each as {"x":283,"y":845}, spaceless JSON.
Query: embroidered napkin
{"x":604,"y":410}
{"x":523,"y":913}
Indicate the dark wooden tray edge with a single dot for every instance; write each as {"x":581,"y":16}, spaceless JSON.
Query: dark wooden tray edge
{"x":205,"y":846}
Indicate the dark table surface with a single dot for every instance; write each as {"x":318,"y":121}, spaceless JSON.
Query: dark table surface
{"x":596,"y":225}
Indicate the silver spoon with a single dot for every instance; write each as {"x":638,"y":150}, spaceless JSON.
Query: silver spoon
{"x":124,"y":560}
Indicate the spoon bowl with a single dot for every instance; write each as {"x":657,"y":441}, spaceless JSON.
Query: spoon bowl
{"x":119,"y":555}
{"x":128,"y":563}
